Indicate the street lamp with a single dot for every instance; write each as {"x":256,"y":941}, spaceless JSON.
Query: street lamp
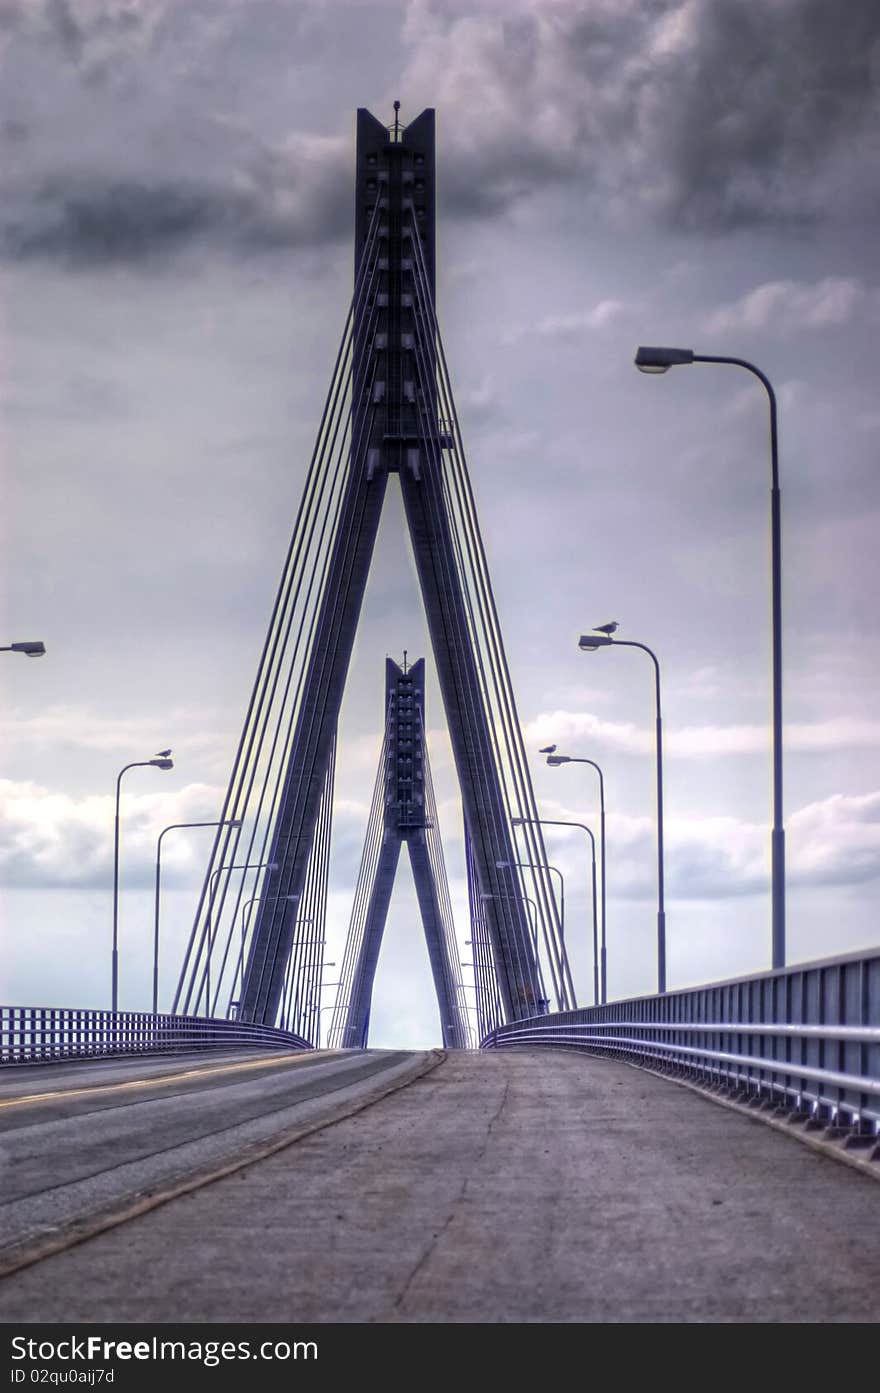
{"x":554,"y":761}
{"x":288,"y":1000}
{"x":257,"y":899}
{"x":658,"y":360}
{"x":588,"y":643}
{"x":331,"y":1006}
{"x":529,"y":901}
{"x":114,"y":957}
{"x":536,"y":866}
{"x":31,"y":648}
{"x":207,"y":931}
{"x":253,"y":900}
{"x":313,"y":1008}
{"x":223,"y":822}
{"x":542,"y":1001}
{"x":556,"y":822}
{"x":212,"y":885}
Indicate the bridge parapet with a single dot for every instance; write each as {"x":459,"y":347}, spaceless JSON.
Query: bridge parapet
{"x":38,"y":1034}
{"x":806,"y":1038}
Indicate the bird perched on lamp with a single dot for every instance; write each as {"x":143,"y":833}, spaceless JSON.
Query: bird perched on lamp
{"x":161,"y":754}
{"x":547,"y":750}
{"x":608,"y":629}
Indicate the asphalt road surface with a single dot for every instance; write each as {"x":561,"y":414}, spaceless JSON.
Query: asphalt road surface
{"x":521,"y":1186}
{"x":81,"y":1144}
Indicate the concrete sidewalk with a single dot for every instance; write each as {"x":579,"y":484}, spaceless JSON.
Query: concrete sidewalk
{"x":499,"y":1187}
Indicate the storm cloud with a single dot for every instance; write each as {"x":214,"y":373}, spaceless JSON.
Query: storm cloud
{"x":699,"y":116}
{"x":703,"y":115}
{"x":91,"y":220}
{"x":115,"y":155}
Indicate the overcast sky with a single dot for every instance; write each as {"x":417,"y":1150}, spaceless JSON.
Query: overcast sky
{"x":175,"y":234}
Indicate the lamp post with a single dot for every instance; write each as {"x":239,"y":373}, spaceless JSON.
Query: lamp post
{"x":331,"y":1006}
{"x":542,"y":1001}
{"x":287,"y":994}
{"x":31,"y":648}
{"x":529,"y":901}
{"x":557,"y":822}
{"x":222,"y":822}
{"x":536,"y":866}
{"x":114,"y":956}
{"x":270,"y":899}
{"x":212,"y":879}
{"x":587,"y":644}
{"x":256,"y":899}
{"x":313,"y":1008}
{"x":555,"y":760}
{"x":659,"y":360}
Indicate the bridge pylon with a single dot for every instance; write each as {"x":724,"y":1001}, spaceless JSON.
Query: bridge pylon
{"x":406,"y":812}
{"x":390,"y":410}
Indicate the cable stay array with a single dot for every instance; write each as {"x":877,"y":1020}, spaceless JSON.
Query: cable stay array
{"x":257,"y":945}
{"x":241,"y":868}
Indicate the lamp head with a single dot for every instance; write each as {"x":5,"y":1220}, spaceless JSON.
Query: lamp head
{"x":162,"y":763}
{"x":588,"y":643}
{"x":558,"y":759}
{"x":662,"y":359}
{"x":31,"y":648}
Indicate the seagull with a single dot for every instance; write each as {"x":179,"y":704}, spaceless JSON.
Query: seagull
{"x":161,"y":754}
{"x":608,"y":629}
{"x":547,"y":750}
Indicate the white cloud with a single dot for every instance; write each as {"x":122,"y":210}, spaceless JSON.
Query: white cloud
{"x":137,"y":735}
{"x":48,"y":839}
{"x":832,"y":842}
{"x":815,"y":737}
{"x":788,"y":306}
{"x":566,"y":326}
{"x":52,"y":839}
{"x":478,"y":403}
{"x":837,"y":840}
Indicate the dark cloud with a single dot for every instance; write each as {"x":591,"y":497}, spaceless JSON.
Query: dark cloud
{"x":762,"y":106}
{"x":706,"y":114}
{"x":702,"y":114}
{"x":89,"y":220}
{"x":14,"y":131}
{"x":11,"y":16}
{"x":140,"y":140}
{"x":92,"y":222}
{"x":88,"y":35}
{"x":65,"y":27}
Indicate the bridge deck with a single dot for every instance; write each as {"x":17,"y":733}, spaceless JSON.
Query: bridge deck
{"x":502,"y":1187}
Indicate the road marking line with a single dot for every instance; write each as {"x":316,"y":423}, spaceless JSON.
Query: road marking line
{"x":54,"y":1241}
{"x":163,"y":1079}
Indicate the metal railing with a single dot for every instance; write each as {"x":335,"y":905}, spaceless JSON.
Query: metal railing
{"x":804,"y":1037}
{"x":34,"y":1034}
